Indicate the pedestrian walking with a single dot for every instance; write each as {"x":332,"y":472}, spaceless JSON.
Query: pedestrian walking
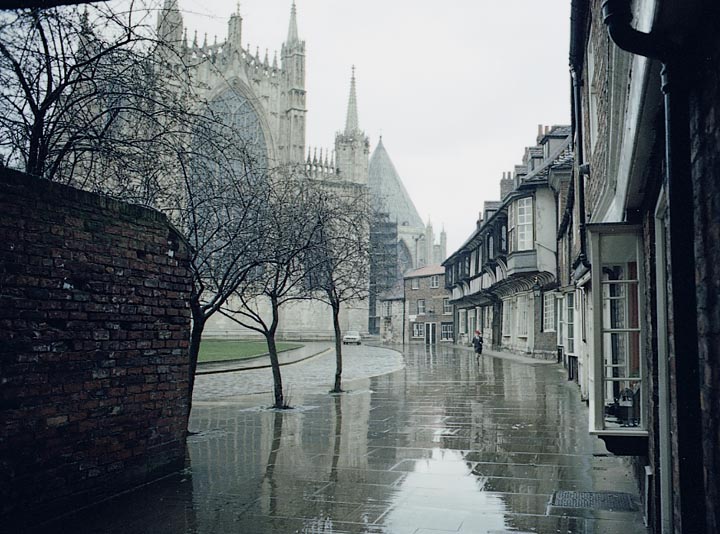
{"x":477,"y":342}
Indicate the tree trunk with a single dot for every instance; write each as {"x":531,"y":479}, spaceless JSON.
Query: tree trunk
{"x":277,"y":378}
{"x":338,"y":440}
{"x":198,"y":325}
{"x":274,"y":362}
{"x":338,"y":348}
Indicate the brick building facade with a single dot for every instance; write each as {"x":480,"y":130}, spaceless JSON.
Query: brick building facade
{"x":428,"y":313}
{"x":640,"y":250}
{"x":94,"y":330}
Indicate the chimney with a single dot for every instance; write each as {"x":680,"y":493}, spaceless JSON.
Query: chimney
{"x":506,"y":185}
{"x":547,"y":130}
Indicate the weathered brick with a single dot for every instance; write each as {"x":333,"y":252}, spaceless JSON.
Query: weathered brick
{"x":79,"y":317}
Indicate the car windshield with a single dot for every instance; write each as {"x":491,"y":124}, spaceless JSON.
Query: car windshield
{"x":352,"y":333}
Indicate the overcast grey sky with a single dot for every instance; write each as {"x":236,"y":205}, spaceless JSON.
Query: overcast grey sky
{"x":456,"y":88}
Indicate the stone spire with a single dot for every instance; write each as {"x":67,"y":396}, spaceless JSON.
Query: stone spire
{"x":292,"y":37}
{"x":170,"y":23}
{"x":351,"y":122}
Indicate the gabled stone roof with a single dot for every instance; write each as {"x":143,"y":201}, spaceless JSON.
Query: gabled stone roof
{"x":387,"y":192}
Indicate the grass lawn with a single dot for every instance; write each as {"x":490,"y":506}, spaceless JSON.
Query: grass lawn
{"x":218,"y":351}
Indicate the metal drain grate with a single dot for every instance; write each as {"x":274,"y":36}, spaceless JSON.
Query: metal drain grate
{"x":594,"y":500}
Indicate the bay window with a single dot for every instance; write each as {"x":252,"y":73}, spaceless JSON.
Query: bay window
{"x":618,"y":396}
{"x":520,"y":220}
{"x":524,"y":223}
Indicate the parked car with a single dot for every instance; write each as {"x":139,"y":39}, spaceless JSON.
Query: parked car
{"x":351,"y":336}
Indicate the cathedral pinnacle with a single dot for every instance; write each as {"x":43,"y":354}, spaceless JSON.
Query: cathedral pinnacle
{"x":235,"y":28}
{"x":292,"y":36}
{"x":351,"y":122}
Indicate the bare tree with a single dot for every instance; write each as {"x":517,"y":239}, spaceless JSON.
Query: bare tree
{"x":279,"y":273}
{"x":93,"y":98}
{"x":338,"y":264}
{"x":73,"y":79}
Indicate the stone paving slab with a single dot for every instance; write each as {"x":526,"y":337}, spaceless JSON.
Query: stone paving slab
{"x":442,"y":442}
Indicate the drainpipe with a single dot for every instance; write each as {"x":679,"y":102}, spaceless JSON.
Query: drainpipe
{"x":578,"y":23}
{"x":582,"y":167}
{"x":674,"y":80}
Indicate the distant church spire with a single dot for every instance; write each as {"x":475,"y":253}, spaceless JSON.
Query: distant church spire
{"x":351,"y":122}
{"x":292,"y":36}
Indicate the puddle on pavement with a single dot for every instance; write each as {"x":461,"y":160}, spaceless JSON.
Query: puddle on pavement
{"x":447,"y":443}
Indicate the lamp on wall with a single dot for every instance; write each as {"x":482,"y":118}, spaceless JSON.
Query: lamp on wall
{"x":536,"y":288}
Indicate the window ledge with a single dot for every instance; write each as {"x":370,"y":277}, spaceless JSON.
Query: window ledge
{"x":624,"y":443}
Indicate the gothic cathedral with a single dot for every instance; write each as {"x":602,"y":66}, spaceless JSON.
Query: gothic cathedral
{"x":267,"y":100}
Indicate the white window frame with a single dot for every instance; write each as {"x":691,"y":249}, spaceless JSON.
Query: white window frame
{"x":570,"y":323}
{"x":549,"y":311}
{"x":418,"y":330}
{"x":462,"y":321}
{"x":507,"y":324}
{"x":524,"y":223}
{"x":511,"y":228}
{"x":421,"y":307}
{"x":446,"y":331}
{"x":447,"y":307}
{"x":522,"y":316}
{"x":627,"y":302}
{"x":414,"y":283}
{"x":434,"y":281}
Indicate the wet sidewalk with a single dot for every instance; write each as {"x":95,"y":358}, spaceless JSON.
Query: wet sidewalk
{"x":447,"y":443}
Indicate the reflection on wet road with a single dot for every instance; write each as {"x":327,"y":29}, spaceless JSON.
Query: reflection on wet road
{"x":446,"y":444}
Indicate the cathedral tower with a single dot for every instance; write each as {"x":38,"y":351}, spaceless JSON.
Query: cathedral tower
{"x":293,"y":65}
{"x":352,"y":146}
{"x":234,"y":36}
{"x":170,"y":24}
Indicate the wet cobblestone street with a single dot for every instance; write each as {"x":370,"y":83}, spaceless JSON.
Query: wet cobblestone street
{"x":447,"y":443}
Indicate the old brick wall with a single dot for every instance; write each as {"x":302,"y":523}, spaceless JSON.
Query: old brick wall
{"x":94,"y":330}
{"x":597,"y":98}
{"x":705,"y":158}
